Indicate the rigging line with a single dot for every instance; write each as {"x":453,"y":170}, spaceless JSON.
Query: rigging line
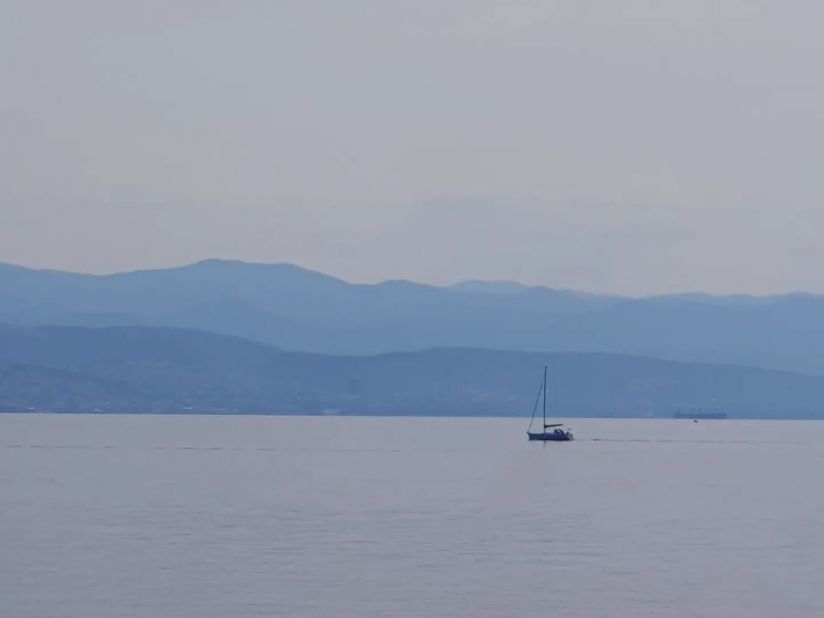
{"x":535,"y":407}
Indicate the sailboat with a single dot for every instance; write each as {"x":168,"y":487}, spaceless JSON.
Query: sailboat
{"x":557,"y":433}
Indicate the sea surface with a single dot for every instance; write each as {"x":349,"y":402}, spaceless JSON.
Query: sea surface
{"x":250,"y":516}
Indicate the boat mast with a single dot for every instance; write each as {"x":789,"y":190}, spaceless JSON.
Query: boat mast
{"x":544,"y":397}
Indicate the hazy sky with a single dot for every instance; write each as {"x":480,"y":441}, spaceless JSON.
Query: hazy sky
{"x":634,"y":147}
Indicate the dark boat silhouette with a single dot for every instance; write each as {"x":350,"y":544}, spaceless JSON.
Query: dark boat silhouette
{"x":557,"y":433}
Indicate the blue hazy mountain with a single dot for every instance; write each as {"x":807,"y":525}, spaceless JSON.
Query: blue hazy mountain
{"x":155,"y":369}
{"x":297,"y":309}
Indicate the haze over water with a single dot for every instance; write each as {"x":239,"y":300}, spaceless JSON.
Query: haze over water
{"x":147,"y":516}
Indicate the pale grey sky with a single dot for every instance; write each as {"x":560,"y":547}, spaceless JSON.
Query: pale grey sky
{"x":633,"y":147}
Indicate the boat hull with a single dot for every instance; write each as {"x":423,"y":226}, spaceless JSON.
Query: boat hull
{"x":552,"y":436}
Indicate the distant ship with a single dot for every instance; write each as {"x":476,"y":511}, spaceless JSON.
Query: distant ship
{"x":558,"y":433}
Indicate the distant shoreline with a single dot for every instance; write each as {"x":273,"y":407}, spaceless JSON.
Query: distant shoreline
{"x":565,"y":419}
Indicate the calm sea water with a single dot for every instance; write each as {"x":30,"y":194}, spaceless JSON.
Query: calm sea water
{"x":152,"y":516}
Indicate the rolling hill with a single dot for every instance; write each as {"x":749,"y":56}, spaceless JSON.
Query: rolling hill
{"x":301,"y":310}
{"x":154,"y":369}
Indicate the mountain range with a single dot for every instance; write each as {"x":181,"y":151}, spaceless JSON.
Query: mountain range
{"x":159,"y":369}
{"x":300,"y":310}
